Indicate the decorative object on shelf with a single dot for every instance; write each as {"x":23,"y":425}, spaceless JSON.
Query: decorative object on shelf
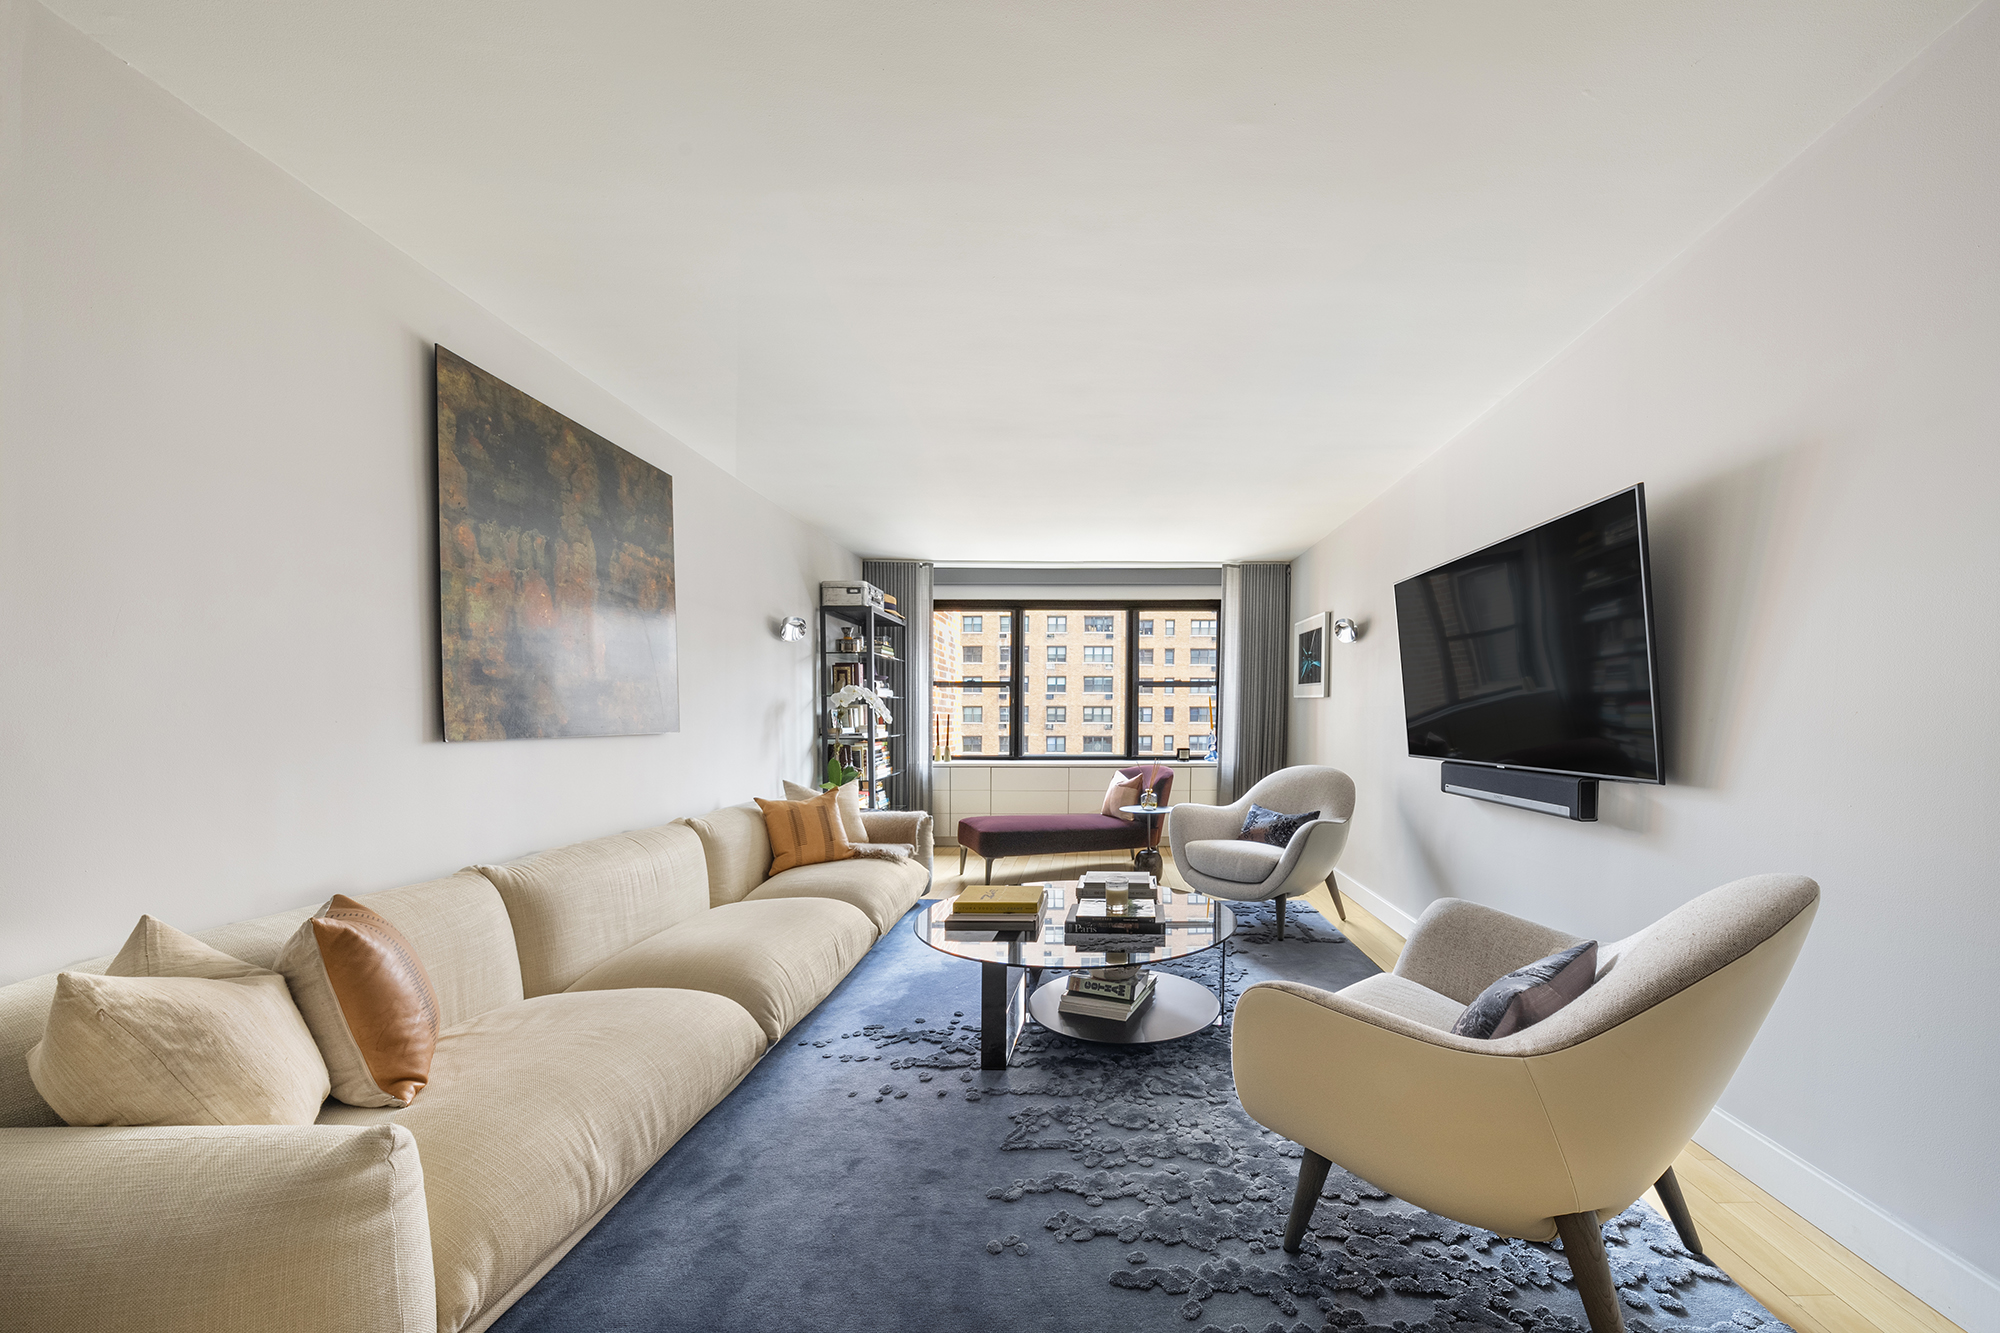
{"x":792,"y":629}
{"x":838,"y":775}
{"x":1181,"y":755}
{"x":1345,"y":630}
{"x":555,"y":571}
{"x":848,"y":695}
{"x":1309,"y":657}
{"x":860,"y":672}
{"x":848,"y":642}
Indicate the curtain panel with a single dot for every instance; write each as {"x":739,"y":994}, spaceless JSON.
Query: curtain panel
{"x":909,"y":582}
{"x":1256,"y":674}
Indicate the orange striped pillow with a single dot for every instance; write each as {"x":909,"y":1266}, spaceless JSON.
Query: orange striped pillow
{"x":804,"y":833}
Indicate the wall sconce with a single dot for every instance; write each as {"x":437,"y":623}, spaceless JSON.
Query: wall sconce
{"x":1346,"y":630}
{"x":793,"y":629}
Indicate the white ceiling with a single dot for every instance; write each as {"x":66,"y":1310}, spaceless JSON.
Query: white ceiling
{"x":1150,"y":280}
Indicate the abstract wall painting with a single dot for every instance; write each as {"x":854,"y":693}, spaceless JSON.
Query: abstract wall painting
{"x":1309,"y":658}
{"x":555,"y":571}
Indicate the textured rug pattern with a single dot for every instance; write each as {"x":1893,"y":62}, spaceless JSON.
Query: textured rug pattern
{"x":868,"y":1175}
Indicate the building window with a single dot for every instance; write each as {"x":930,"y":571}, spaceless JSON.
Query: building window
{"x":1145,"y":687}
{"x":1097,"y":715}
{"x":1005,"y":622}
{"x":1166,"y":715}
{"x":1097,"y":745}
{"x":972,"y":652}
{"x":1055,"y":713}
{"x":1145,"y":627}
{"x":1004,"y":715}
{"x":1201,"y":657}
{"x":1170,"y":634}
{"x":1202,"y":629}
{"x":1058,"y":653}
{"x":972,"y":684}
{"x":1099,"y":653}
{"x":973,"y":625}
{"x":1197,"y":715}
{"x":1145,"y":657}
{"x":1097,"y":625}
{"x":1145,"y":745}
{"x":1056,"y":745}
{"x":974,"y":716}
{"x":971,"y":744}
{"x":1197,"y":745}
{"x":1057,"y":685}
{"x":1167,"y":741}
{"x":1097,"y":685}
{"x":1057,"y":624}
{"x":1145,"y":715}
{"x":1168,"y":688}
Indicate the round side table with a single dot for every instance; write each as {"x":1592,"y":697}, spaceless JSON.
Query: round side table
{"x":1147,"y":858}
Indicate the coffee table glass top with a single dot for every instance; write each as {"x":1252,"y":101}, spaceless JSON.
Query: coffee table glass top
{"x":1195,"y":921}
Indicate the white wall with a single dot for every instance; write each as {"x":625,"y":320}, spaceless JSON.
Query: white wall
{"x":217,"y":579}
{"x":1812,"y":396}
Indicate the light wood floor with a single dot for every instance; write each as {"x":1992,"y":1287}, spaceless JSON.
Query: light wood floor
{"x":1799,"y":1273}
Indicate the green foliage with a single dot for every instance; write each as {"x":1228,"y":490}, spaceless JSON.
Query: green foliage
{"x":838,"y":774}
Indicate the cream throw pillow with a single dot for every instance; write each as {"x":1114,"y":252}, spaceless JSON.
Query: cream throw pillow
{"x":177,"y":1034}
{"x":847,"y":796}
{"x":1123,"y":791}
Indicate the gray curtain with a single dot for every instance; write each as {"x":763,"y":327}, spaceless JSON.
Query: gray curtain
{"x":909,"y":581}
{"x":1256,"y":674}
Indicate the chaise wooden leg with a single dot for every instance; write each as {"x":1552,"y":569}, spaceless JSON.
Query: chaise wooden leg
{"x":1669,"y":1187}
{"x":989,"y":868}
{"x":1583,"y":1245}
{"x":1312,"y":1176}
{"x":961,"y":863}
{"x":1281,"y":916}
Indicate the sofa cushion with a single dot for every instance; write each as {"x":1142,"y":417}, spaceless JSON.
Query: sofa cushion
{"x":1233,"y":859}
{"x":776,"y":957}
{"x":370,"y":1004}
{"x":460,"y":928}
{"x":1527,"y":995}
{"x":847,"y":799}
{"x":883,"y":890}
{"x":805,"y":833}
{"x":540,"y":1113}
{"x":737,"y":846}
{"x":576,"y":906}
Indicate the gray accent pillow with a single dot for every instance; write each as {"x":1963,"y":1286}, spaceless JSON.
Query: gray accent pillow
{"x":1269,"y":826}
{"x":1527,"y":995}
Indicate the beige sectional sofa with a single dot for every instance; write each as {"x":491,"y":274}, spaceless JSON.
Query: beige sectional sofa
{"x":597,"y":1001}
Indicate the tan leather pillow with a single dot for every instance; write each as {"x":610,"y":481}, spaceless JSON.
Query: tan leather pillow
{"x":805,"y":833}
{"x":848,"y":795}
{"x":177,"y":1033}
{"x":1124,"y":791}
{"x":368,"y":1001}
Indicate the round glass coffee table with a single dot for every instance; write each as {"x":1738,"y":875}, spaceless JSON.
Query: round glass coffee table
{"x":1012,"y":961}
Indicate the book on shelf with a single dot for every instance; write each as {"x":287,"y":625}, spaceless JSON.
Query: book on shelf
{"x":1099,"y":1006}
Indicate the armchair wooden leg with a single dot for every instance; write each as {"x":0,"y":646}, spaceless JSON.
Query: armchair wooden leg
{"x":1281,"y":916}
{"x":1669,"y":1187}
{"x":1583,"y":1245}
{"x":1338,"y":905}
{"x":1312,"y":1176}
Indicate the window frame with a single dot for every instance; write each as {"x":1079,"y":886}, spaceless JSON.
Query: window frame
{"x":1125,"y":672}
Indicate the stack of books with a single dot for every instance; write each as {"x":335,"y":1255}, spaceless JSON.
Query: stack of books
{"x":1114,"y":993}
{"x":996,"y":907}
{"x":1095,"y":923}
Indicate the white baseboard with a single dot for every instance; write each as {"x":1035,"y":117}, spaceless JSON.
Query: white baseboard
{"x":1956,"y":1289}
{"x":1390,"y":915}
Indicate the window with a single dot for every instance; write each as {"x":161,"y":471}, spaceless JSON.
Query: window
{"x":1197,"y":745}
{"x":1167,"y":741}
{"x":971,"y":744}
{"x":972,"y":657}
{"x":1170,"y":657}
{"x":1197,"y":715}
{"x":1201,"y":657}
{"x":1166,"y":715}
{"x":1202,"y":629}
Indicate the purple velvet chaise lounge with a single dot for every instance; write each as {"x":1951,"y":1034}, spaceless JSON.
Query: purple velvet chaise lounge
{"x":995,"y":836}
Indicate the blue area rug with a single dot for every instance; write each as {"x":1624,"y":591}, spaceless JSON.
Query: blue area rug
{"x":868,"y":1177}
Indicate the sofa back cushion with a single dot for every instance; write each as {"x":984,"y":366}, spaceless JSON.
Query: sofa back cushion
{"x":736,"y":843}
{"x":576,"y":906}
{"x":460,"y":928}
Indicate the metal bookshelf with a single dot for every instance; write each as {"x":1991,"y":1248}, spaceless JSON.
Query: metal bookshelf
{"x":879,"y":663}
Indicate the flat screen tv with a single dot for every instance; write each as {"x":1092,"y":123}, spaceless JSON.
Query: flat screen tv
{"x":1537,"y":652}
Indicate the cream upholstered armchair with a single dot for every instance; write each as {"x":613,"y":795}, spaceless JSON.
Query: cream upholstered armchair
{"x":1551,"y":1129}
{"x":1214,"y":860}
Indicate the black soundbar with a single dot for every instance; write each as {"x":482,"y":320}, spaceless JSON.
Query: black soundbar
{"x":1546,"y":793}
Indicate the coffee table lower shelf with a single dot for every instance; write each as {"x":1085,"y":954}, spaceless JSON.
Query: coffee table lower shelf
{"x":1180,"y":1008}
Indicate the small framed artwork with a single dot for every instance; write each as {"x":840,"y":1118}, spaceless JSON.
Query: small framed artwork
{"x":1309,"y":658}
